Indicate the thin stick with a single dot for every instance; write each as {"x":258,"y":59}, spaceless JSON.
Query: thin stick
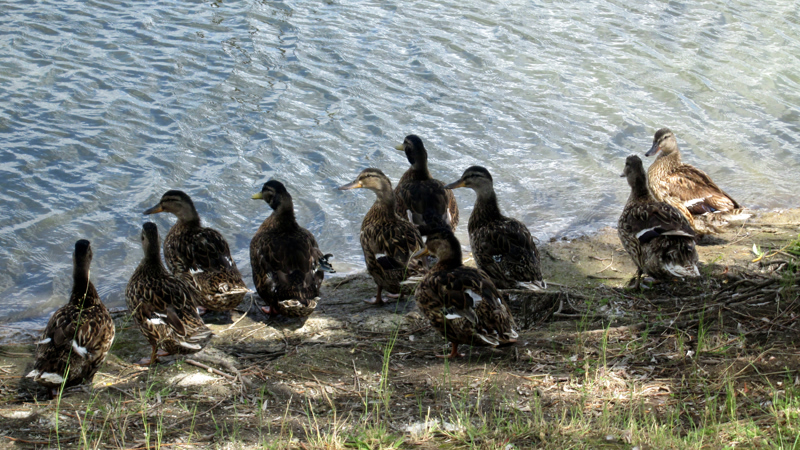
{"x":209,"y":368}
{"x":252,"y":299}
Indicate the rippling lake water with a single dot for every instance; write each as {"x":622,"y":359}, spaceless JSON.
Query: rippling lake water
{"x":105,"y":105}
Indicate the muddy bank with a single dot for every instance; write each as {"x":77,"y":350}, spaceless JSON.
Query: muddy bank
{"x":586,"y":345}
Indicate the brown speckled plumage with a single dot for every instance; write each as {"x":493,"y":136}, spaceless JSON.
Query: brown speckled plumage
{"x":421,"y":194}
{"x":163,"y":305}
{"x":78,"y":335}
{"x":462,"y":303}
{"x":288,"y":266}
{"x":502,"y":247}
{"x":200,"y":255}
{"x":683,"y":186}
{"x":387,"y":240}
{"x":656,"y":236}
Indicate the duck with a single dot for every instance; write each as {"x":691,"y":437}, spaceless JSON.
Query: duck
{"x":688,"y":188}
{"x":502,"y":246}
{"x":78,"y":336}
{"x":288,"y":266}
{"x":655,"y":234}
{"x":200,"y":255}
{"x":419,"y":196}
{"x":387,"y":240}
{"x":164,"y":305}
{"x":461,"y":302}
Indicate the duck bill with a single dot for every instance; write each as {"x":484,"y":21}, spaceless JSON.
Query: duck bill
{"x":353,"y":185}
{"x":400,"y":147}
{"x":154,"y":210}
{"x":421,"y":252}
{"x":455,"y":185}
{"x":258,"y":196}
{"x":653,"y":150}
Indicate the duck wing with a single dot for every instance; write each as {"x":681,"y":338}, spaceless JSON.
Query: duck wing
{"x":650,"y":220}
{"x":506,"y":252}
{"x":698,"y":193}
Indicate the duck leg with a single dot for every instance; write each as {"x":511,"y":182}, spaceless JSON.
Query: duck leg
{"x":153,"y":357}
{"x":636,"y":280}
{"x":377,"y":300}
{"x":270,"y":311}
{"x":453,"y":354}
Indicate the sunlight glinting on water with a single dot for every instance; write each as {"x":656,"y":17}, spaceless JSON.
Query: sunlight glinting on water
{"x":105,"y":105}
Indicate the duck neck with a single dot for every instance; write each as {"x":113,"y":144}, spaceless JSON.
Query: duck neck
{"x":384,"y":202}
{"x":669,"y":160}
{"x":452,"y":261}
{"x":486,"y":207}
{"x":80,"y":284}
{"x":418,"y":171}
{"x":283,"y":215}
{"x":152,"y":255}
{"x":639,"y":190}
{"x":188,"y":217}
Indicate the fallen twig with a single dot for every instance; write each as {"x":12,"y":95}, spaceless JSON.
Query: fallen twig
{"x":209,"y":368}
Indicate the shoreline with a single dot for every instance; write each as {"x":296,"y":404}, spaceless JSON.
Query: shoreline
{"x":587,"y":260}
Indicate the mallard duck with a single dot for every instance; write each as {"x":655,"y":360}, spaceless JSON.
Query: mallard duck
{"x":656,"y":235}
{"x":418,"y":195}
{"x":686,"y":187}
{"x":200,"y":255}
{"x":288,"y":266}
{"x":388,"y":240}
{"x":462,"y":303}
{"x":79,"y":334}
{"x":502,"y":246}
{"x":163,"y":305}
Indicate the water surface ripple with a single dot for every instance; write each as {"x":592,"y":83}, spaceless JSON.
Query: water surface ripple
{"x":104,"y":105}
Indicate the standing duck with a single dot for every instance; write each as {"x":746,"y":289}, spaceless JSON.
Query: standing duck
{"x":656,"y":235}
{"x":288,"y":266}
{"x":686,"y":187}
{"x":462,"y":303}
{"x":419,"y":196}
{"x":163,"y":305}
{"x":200,"y":255}
{"x":502,"y":246}
{"x":79,"y":334}
{"x":388,"y":240}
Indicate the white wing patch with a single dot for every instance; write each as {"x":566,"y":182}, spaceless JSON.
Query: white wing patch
{"x":50,"y":377}
{"x":681,"y":271}
{"x":488,"y":340}
{"x":639,"y":234}
{"x":43,"y":341}
{"x":475,"y":297}
{"x":79,"y":350}
{"x":452,"y":316}
{"x":191,"y":346}
{"x":694,"y":201}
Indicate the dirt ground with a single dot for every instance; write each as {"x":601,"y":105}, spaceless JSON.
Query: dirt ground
{"x":708,"y":364}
